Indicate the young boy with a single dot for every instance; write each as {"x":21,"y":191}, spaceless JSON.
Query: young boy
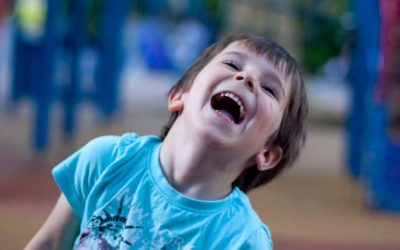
{"x":237,"y":120}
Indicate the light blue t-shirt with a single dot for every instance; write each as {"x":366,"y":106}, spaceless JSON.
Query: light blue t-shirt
{"x":117,"y":187}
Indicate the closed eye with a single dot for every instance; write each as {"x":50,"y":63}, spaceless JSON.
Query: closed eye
{"x":233,"y":65}
{"x":269,"y":90}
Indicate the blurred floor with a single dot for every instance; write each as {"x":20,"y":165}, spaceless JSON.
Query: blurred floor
{"x":312,"y":206}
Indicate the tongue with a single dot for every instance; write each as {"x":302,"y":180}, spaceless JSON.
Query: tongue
{"x":226,"y":115}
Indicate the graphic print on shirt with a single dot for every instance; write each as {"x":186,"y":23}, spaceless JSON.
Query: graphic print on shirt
{"x":104,"y":231}
{"x":131,"y":227}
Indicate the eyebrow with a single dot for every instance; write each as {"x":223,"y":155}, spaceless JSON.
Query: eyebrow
{"x":235,"y":53}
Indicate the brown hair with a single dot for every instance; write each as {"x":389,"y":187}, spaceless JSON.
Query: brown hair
{"x":292,"y":131}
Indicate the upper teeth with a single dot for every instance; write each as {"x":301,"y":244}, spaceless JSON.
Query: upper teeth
{"x":237,"y":100}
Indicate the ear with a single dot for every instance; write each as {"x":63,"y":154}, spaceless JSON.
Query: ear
{"x":268,"y":158}
{"x":175,"y":101}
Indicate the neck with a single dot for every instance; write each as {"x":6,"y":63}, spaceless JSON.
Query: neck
{"x":196,"y":169}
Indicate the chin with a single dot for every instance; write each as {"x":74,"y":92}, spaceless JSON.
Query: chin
{"x":215,"y":139}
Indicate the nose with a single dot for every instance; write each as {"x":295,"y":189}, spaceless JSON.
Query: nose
{"x":246,"y":79}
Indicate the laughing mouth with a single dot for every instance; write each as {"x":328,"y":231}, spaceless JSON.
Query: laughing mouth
{"x":229,"y":105}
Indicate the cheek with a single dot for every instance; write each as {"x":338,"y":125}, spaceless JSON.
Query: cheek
{"x":271,"y":115}
{"x":200,"y":85}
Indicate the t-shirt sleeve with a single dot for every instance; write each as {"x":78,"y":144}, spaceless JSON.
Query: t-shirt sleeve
{"x":260,"y":239}
{"x":77,"y":174}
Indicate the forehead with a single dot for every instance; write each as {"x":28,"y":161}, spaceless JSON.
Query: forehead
{"x":240,"y":48}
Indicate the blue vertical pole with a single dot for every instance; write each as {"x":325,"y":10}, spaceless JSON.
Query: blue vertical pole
{"x":22,"y":78}
{"x":381,"y":165}
{"x":112,"y":24}
{"x":363,"y":77}
{"x":77,"y":39}
{"x":44,"y":78}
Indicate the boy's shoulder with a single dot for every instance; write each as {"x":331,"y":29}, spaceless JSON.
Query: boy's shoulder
{"x":99,"y":153}
{"x":259,"y":234}
{"x":114,"y":145}
{"x":241,"y":222}
{"x":78,"y":174}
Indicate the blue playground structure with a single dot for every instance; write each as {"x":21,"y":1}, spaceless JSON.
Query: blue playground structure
{"x":373,"y":151}
{"x":46,"y":29}
{"x":52,"y":38}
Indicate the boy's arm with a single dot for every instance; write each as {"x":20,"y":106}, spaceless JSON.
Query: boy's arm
{"x":60,"y":229}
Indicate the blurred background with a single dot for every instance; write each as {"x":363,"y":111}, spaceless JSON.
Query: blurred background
{"x":71,"y":70}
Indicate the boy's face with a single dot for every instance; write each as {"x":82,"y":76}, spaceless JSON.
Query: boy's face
{"x":236,"y":102}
